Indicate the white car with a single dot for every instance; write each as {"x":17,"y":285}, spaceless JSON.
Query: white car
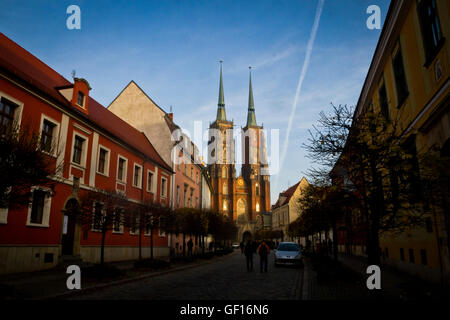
{"x":235,"y":245}
{"x":288,"y":253}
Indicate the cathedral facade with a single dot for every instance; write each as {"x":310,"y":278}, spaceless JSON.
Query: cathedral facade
{"x":244,"y":197}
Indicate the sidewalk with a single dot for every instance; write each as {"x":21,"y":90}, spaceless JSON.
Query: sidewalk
{"x":51,"y":284}
{"x":394,"y":283}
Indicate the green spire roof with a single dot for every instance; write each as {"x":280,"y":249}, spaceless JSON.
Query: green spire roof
{"x":251,"y":118}
{"x":221,"y":116}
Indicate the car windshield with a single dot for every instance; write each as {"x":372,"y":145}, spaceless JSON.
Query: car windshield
{"x":288,"y":247}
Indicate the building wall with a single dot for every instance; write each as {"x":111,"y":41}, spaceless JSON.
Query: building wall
{"x":25,"y":247}
{"x":424,"y":113}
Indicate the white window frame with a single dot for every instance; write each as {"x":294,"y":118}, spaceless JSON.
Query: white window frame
{"x":137,"y":227}
{"x":19,"y":109}
{"x":93,"y":215}
{"x":163,"y":193}
{"x":152,"y":190}
{"x":83,"y":150}
{"x":107,"y":160}
{"x":124,"y":176}
{"x":161,"y":233}
{"x":46,"y":210}
{"x":3,"y":215}
{"x":139,"y":185}
{"x":121,"y":228}
{"x":55,"y":136}
{"x":84,"y":99}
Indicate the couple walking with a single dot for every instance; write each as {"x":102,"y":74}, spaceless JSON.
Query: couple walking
{"x":263,"y":250}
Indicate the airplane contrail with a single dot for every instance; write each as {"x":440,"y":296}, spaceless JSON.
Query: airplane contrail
{"x":309,"y":48}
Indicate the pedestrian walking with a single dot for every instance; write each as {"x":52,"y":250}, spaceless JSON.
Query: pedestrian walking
{"x":263,"y":251}
{"x":248,"y":250}
{"x":190,"y":245}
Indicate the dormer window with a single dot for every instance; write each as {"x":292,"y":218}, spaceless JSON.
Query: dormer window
{"x":80,"y":99}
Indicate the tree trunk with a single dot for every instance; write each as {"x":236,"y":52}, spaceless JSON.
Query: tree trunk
{"x":335,"y":241}
{"x":140,"y":244}
{"x":151,"y":243}
{"x":102,"y":249}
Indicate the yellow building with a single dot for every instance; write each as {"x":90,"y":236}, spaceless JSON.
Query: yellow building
{"x":408,"y":82}
{"x":287,"y":208}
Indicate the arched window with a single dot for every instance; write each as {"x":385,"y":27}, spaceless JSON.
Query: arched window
{"x":257,"y":189}
{"x":224,"y":172}
{"x":225,"y":205}
{"x":257,"y":207}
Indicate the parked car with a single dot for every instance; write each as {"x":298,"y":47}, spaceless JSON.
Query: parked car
{"x":288,"y":253}
{"x":236,"y":245}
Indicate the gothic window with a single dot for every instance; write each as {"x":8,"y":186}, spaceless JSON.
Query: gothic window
{"x":257,"y":207}
{"x":224,"y":172}
{"x":225,"y":205}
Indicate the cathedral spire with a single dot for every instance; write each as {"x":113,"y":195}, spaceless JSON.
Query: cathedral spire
{"x":221,"y":116}
{"x":251,"y":118}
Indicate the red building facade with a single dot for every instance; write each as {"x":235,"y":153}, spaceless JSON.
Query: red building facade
{"x":94,"y":150}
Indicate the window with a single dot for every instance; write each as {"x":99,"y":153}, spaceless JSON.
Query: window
{"x":185,"y":196}
{"x":178,"y":196}
{"x":423,"y":257}
{"x":7,"y":109}
{"x":196,"y":178}
{"x":3,"y":215}
{"x":150,"y":176}
{"x":103,"y":161}
{"x":47,"y":135}
{"x":98,"y":217}
{"x":80,"y":99}
{"x":257,"y":207}
{"x":118,"y":220}
{"x":225,"y":188}
{"x":411,"y":255}
{"x":134,"y":226}
{"x":384,"y":106}
{"x":431,"y":30}
{"x":225,"y":205}
{"x":77,"y":149}
{"x":400,"y":77}
{"x":163,"y":187}
{"x":196,"y":202}
{"x":257,"y":189}
{"x":37,"y":208}
{"x":192,"y":173}
{"x":402,"y":254}
{"x":122,"y":169}
{"x":191,"y":198}
{"x":137,"y":177}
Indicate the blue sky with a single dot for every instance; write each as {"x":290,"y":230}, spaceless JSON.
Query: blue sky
{"x":171,"y":50}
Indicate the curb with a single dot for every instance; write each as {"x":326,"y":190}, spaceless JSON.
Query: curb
{"x":125,"y":281}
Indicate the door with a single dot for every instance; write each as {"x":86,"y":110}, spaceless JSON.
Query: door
{"x":68,"y":233}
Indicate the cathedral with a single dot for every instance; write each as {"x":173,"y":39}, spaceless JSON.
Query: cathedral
{"x":244,"y":197}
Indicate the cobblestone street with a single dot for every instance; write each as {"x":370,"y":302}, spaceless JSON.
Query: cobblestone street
{"x":226,"y":278}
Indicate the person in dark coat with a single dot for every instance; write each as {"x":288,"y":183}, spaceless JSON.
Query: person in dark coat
{"x":263,"y":251}
{"x":248,"y":251}
{"x":190,"y":245}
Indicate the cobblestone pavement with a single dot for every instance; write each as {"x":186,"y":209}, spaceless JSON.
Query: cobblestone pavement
{"x":224,"y":279}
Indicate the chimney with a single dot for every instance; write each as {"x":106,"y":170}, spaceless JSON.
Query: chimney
{"x":170,"y":116}
{"x":80,"y":95}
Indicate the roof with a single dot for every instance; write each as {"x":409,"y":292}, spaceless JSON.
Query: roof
{"x":287,"y":194}
{"x":21,"y":63}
